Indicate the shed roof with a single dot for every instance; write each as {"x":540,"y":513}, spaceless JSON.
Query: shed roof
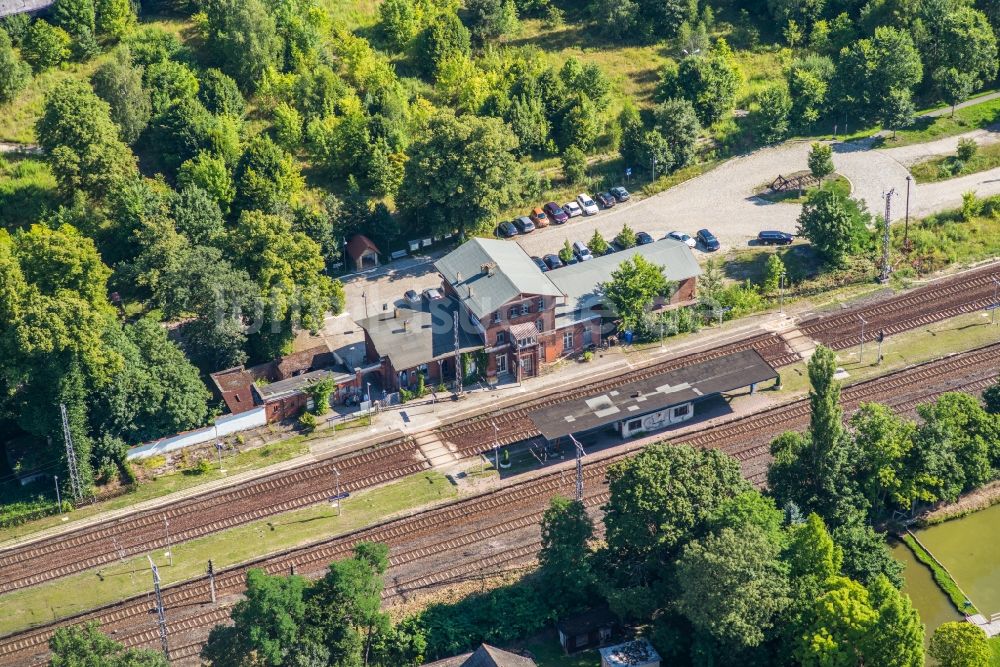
{"x":581,"y":282}
{"x":588,"y":621}
{"x":642,"y":397}
{"x":485,"y":656}
{"x":358,"y":244}
{"x":413,"y":337}
{"x":487,"y":273}
{"x":635,"y":653}
{"x":293,"y":385}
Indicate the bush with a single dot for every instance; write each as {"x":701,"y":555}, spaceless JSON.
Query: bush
{"x":14,"y":514}
{"x":588,"y":356}
{"x":45,"y":46}
{"x":307,"y":422}
{"x":199,"y":468}
{"x":967,"y":149}
{"x":626,"y":238}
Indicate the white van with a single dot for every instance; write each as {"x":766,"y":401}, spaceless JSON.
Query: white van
{"x":581,"y":251}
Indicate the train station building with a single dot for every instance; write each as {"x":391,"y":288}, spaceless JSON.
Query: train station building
{"x":656,"y":402}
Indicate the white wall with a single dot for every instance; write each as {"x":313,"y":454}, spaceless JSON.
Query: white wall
{"x":226,"y":424}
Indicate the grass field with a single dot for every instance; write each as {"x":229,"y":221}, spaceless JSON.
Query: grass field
{"x":943,"y":239}
{"x":79,"y":592}
{"x":179,"y":481}
{"x":927,"y":129}
{"x":957,"y":334}
{"x":942,"y":168}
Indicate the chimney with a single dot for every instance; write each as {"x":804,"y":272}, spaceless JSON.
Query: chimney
{"x":470,"y":291}
{"x":406,"y":325}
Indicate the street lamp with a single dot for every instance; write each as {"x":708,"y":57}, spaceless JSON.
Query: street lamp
{"x":996,"y":284}
{"x":368,"y":394}
{"x":496,"y":446}
{"x":906,"y":223}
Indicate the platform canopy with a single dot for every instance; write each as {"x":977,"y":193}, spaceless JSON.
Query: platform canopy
{"x":643,"y":397}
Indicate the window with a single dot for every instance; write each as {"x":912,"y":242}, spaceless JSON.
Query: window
{"x":682,"y":410}
{"x":525,"y":308}
{"x":496,"y":317}
{"x":568,"y":340}
{"x":501,"y":337}
{"x":581,"y":640}
{"x":541,"y":303}
{"x":540,"y":324}
{"x":634,"y":425}
{"x":512,"y":313}
{"x":527,"y":365}
{"x":501,"y":363}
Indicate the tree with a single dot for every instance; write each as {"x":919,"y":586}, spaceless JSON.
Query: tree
{"x":626,"y":238}
{"x":288,"y":269}
{"x":677,"y":121}
{"x":708,"y":82}
{"x":574,"y":165}
{"x":882,"y":442}
{"x":897,"y":109}
{"x":960,"y":644}
{"x":77,"y":17}
{"x":866,"y":554}
{"x":597,"y":245}
{"x":87,"y":646}
{"x":242,"y":35}
{"x":808,"y":85}
{"x":491,"y":19}
{"x":14,"y":74}
{"x":565,"y":556}
{"x":266,"y":623}
{"x":898,"y":636}
{"x":661,"y":499}
{"x":733,"y":588}
{"x":632,"y":132}
{"x":769,"y":114}
{"x":960,"y":38}
{"x":656,"y":150}
{"x":168,"y":82}
{"x":266,"y":177}
{"x":774,"y":271}
{"x":287,"y":126}
{"x":459,"y":174}
{"x":115,"y":18}
{"x":820,"y":160}
{"x":812,"y":470}
{"x":220,"y":94}
{"x":119,"y":83}
{"x":443,"y":38}
{"x":320,"y":391}
{"x":834,"y":224}
{"x":633,"y":287}
{"x":179,"y":133}
{"x":208,"y":172}
{"x":581,"y":124}
{"x":527,"y":118}
{"x":954,"y":86}
{"x":45,"y":45}
{"x":566,"y":252}
{"x":81,"y":141}
{"x":991,"y":397}
{"x":874,"y":76}
{"x":399,"y":21}
{"x":962,"y":425}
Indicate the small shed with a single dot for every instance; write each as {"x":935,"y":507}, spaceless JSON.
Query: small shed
{"x":362,"y":252}
{"x":635,"y":653}
{"x":589,"y":629}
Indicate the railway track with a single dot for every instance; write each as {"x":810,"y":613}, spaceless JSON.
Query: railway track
{"x":960,"y":294}
{"x":419,"y":542}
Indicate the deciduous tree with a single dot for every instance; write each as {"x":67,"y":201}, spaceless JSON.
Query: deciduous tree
{"x":565,"y":555}
{"x":834,"y":224}
{"x":14,"y":74}
{"x":633,"y":287}
{"x":960,"y":644}
{"x":87,"y":646}
{"x":820,"y":160}
{"x":119,"y":83}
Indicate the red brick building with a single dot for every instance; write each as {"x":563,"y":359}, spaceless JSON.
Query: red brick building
{"x":517,"y":316}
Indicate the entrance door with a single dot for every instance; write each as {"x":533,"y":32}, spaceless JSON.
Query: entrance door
{"x":588,"y":337}
{"x":527,"y":366}
{"x":502,"y":363}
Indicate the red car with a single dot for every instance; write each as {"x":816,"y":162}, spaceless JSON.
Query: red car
{"x":556,"y":213}
{"x":539,"y":218}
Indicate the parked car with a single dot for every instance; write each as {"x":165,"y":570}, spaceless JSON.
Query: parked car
{"x":606,"y":199}
{"x":588,"y":205}
{"x":553,"y":261}
{"x":707,"y":240}
{"x":412,"y":298}
{"x":581,"y":251}
{"x":572,"y":209}
{"x":620,"y":193}
{"x":507,"y":229}
{"x":683,"y":238}
{"x":642,"y":238}
{"x":540,"y":263}
{"x":771,"y":237}
{"x":432,"y":294}
{"x":524,"y":224}
{"x":555,"y":213}
{"x":539,"y":218}
{"x":612,"y":248}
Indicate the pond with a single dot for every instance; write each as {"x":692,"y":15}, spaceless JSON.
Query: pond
{"x":967,"y":547}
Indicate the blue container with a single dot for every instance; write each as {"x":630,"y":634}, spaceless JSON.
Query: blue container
{"x":627,"y":336}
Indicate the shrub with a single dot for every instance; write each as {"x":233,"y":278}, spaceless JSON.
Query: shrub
{"x":45,"y":46}
{"x":588,"y":355}
{"x":626,"y":238}
{"x":199,"y":468}
{"x":307,"y":422}
{"x":14,"y":514}
{"x":967,"y":149}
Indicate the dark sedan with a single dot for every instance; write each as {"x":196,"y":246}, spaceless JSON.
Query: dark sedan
{"x":506,"y":230}
{"x":642,"y":238}
{"x":707,"y":240}
{"x":540,"y":263}
{"x":605,"y":199}
{"x":556,"y":213}
{"x":553,"y":261}
{"x":620,"y":193}
{"x":771,"y":237}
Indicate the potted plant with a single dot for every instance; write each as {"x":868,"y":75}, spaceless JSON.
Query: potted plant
{"x":505,"y":459}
